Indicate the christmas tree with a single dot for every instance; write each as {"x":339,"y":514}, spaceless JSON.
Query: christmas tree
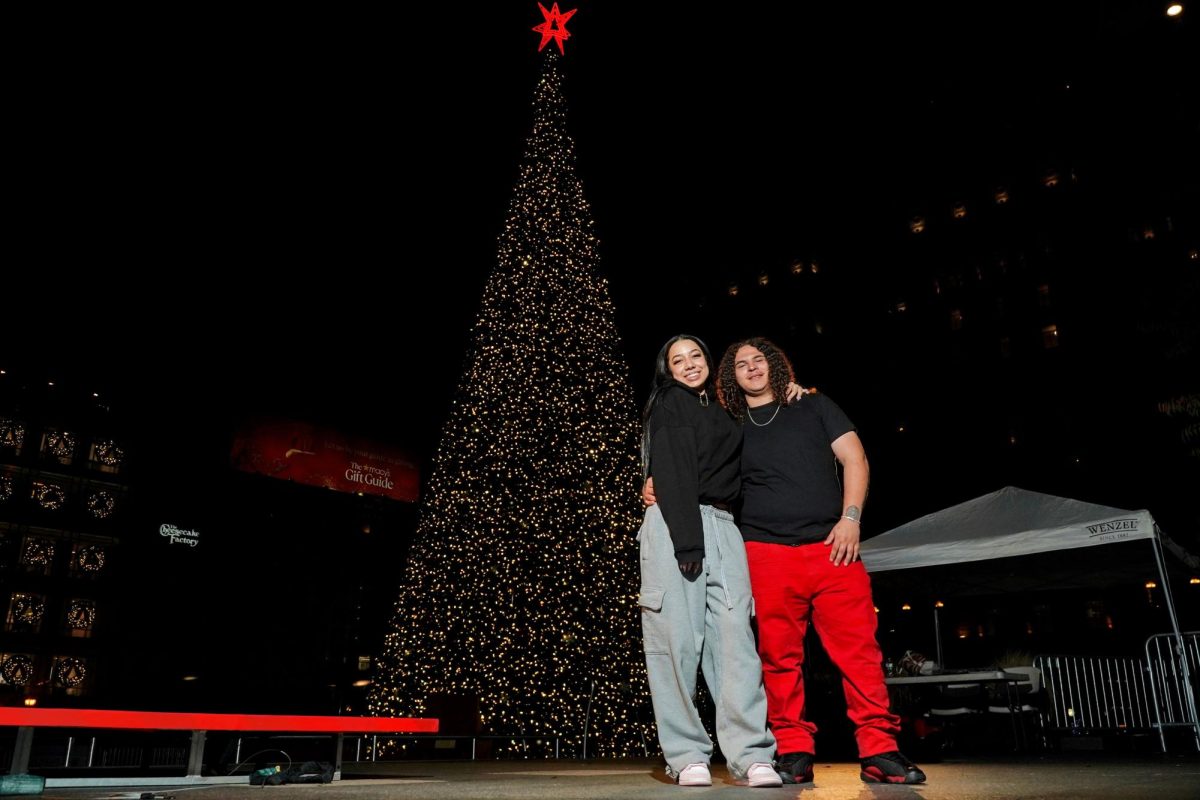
{"x":521,"y":589}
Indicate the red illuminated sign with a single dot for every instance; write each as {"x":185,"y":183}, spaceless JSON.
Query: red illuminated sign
{"x":315,"y":456}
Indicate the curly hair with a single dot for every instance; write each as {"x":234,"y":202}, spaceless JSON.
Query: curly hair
{"x":779,"y":372}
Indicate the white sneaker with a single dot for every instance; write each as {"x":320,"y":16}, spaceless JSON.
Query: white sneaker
{"x":695,"y":775}
{"x":761,"y":775}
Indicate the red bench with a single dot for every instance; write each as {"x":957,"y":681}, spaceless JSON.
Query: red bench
{"x":26,"y":719}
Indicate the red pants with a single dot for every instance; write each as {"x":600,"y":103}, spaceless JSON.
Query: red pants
{"x":792,"y":585}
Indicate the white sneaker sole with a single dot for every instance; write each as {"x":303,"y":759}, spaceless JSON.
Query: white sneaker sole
{"x":695,"y":778}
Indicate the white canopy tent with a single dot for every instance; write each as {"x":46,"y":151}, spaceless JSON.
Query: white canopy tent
{"x":1009,"y":522}
{"x":1015,"y":522}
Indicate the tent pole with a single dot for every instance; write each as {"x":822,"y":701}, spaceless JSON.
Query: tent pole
{"x":1180,"y":653}
{"x":937,"y":632}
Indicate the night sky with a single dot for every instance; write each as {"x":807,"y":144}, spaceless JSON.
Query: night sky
{"x":224,"y":213}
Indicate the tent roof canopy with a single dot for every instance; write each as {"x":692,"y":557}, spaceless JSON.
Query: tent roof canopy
{"x":1005,"y":523}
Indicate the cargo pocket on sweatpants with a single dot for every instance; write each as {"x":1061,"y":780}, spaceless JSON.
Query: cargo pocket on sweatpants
{"x":654,"y":638}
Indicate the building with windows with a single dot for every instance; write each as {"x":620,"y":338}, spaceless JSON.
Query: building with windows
{"x":63,"y":496}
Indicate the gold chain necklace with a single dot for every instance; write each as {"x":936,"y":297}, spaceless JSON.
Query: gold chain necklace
{"x":768,"y":422}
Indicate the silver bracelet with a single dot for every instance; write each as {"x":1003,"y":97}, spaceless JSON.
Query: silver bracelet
{"x":852,"y":519}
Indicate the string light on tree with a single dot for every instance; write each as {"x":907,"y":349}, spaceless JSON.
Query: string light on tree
{"x":522,"y":581}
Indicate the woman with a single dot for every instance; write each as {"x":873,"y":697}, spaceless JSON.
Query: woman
{"x":695,"y":593}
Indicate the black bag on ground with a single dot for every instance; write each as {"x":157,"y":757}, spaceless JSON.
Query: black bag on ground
{"x":311,"y":772}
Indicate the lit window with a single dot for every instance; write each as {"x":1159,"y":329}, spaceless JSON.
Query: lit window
{"x":87,"y":559}
{"x":25,"y":612}
{"x":764,"y":279}
{"x":814,"y":268}
{"x":81,"y":618}
{"x":1050,"y":336}
{"x":59,"y":445}
{"x":47,"y":495}
{"x":17,"y":670}
{"x":956,"y":320}
{"x":364,"y":663}
{"x":1001,"y":196}
{"x":1050,"y":179}
{"x":106,"y":456}
{"x":959,"y":211}
{"x":797,"y":267}
{"x":901,"y":307}
{"x":1147,"y":233}
{"x":100,"y":504}
{"x":733,"y":290}
{"x":37,"y":556}
{"x":917,"y":224}
{"x":12,"y":435}
{"x":69,"y":672}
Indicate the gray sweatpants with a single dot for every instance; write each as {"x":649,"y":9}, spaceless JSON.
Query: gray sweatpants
{"x":702,"y":623}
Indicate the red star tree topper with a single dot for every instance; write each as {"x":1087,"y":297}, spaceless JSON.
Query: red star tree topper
{"x":555,"y":26}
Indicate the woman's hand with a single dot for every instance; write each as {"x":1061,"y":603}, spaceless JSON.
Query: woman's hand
{"x":648,"y":492}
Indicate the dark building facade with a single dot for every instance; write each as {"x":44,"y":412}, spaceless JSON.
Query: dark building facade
{"x":63,"y":504}
{"x":139,"y":569}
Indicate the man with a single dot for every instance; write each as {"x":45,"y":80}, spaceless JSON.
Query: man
{"x":801,"y":528}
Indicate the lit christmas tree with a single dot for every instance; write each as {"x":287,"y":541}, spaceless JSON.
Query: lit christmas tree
{"x":522,"y":584}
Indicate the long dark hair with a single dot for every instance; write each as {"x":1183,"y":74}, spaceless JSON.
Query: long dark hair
{"x":779,"y":371}
{"x":662,"y":379}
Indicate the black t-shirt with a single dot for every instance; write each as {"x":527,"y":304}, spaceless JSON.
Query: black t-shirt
{"x":790,"y":488}
{"x":694,"y":459}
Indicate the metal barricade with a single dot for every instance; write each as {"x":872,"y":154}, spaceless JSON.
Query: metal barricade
{"x":1173,"y":663}
{"x":1097,"y":695}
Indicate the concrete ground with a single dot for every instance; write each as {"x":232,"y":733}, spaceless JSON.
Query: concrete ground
{"x":1069,"y":777}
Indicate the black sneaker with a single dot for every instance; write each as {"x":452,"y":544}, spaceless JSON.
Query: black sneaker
{"x":795,"y":767}
{"x":890,"y":768}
